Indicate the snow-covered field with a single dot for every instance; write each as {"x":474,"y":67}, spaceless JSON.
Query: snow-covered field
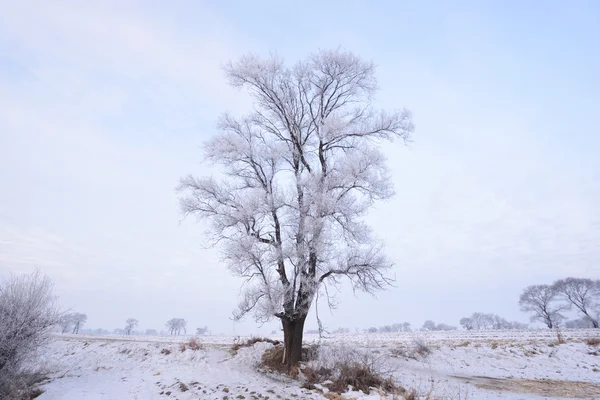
{"x":461,"y":365}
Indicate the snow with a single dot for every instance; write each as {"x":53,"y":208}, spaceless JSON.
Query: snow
{"x":459,"y":366}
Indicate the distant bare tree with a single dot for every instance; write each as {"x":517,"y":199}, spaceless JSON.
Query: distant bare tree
{"x":300,"y":173}
{"x":28,"y":312}
{"x":176,"y":325}
{"x":467,"y":323}
{"x":541,"y":301}
{"x":66,"y":322}
{"x":130,"y":324}
{"x":78,"y":320}
{"x":428,"y":325}
{"x":482,"y":320}
{"x":582,"y":293}
{"x":202,"y":331}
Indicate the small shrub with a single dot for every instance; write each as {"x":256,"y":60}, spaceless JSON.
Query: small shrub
{"x":559,"y":337}
{"x":183,"y":387}
{"x":341,"y":368}
{"x":421,"y":347}
{"x":22,"y":386}
{"x":28,"y":312}
{"x":463,"y":344}
{"x":194,"y":344}
{"x":593,"y":341}
{"x":165,"y":352}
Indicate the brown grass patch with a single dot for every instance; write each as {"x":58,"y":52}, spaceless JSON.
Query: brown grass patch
{"x":595,"y":341}
{"x":540,"y":387}
{"x":272,"y":360}
{"x":358,"y":375}
{"x":192,"y":344}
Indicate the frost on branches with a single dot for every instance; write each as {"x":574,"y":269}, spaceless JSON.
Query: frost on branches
{"x":299,"y":173}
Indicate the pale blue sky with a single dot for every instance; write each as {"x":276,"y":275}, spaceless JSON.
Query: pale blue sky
{"x":103,"y":106}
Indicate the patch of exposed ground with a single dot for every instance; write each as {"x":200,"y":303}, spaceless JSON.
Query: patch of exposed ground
{"x":541,"y":387}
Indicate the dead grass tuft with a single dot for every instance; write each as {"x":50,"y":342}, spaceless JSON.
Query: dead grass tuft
{"x":251,"y":342}
{"x":192,"y":344}
{"x":341,"y":369}
{"x":593,"y":341}
{"x":272,"y":360}
{"x":22,"y":386}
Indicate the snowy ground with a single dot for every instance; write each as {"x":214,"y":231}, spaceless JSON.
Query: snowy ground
{"x":461,"y":365}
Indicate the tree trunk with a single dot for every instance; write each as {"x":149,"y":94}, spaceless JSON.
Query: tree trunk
{"x":293,"y":331}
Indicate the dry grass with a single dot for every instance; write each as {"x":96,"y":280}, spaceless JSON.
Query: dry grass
{"x":560,"y":339}
{"x":421,"y":347}
{"x":22,"y":386}
{"x":593,"y":341}
{"x":540,"y":387}
{"x":359,"y":376}
{"x":193,"y":344}
{"x":272,"y":360}
{"x":251,"y":342}
{"x":340,"y":368}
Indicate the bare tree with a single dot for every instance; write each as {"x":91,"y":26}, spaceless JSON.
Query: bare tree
{"x":482,"y":320}
{"x":582,"y":293}
{"x":78,"y":320}
{"x":300,"y":173}
{"x":66,"y":322}
{"x":467,"y":323}
{"x":28,"y":312}
{"x":176,"y":325}
{"x":202,"y":331}
{"x":130,"y":324}
{"x":541,"y":301}
{"x":428,"y":325}
{"x":479,"y":321}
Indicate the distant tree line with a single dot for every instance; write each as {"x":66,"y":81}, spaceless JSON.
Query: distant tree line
{"x":481,"y":321}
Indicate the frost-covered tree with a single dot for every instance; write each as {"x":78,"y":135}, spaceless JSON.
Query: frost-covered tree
{"x":28,"y":313}
{"x":65,"y":323}
{"x":202,"y":331}
{"x":176,"y":326}
{"x":482,"y":320}
{"x":78,"y":320}
{"x":428,"y":325}
{"x":541,"y":301}
{"x":299,"y":173}
{"x":130,"y":324}
{"x":582,"y":293}
{"x":467,"y":323}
